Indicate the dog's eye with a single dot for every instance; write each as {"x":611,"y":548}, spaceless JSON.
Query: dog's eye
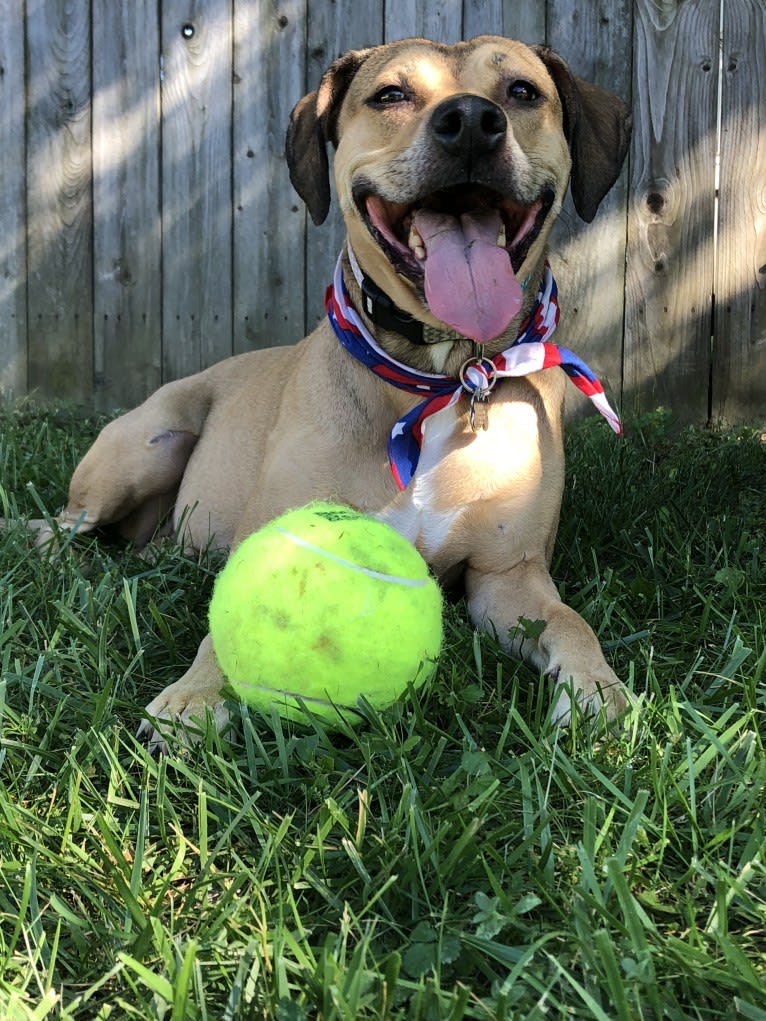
{"x":389,"y":95}
{"x":523,"y":91}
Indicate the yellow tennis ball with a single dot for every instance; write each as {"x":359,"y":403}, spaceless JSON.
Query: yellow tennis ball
{"x":320,"y":606}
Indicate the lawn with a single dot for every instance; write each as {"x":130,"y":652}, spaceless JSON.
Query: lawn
{"x":456,"y":857}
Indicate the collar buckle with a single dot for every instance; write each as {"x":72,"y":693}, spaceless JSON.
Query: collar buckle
{"x":382,"y":311}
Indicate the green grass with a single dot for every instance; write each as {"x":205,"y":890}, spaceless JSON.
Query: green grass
{"x":455,"y":858}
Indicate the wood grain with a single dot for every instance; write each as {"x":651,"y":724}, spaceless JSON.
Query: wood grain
{"x":269,"y":218}
{"x":739,"y":377}
{"x":439,"y":20}
{"x":523,"y":21}
{"x":588,"y":260}
{"x":332,"y":30}
{"x":60,"y":254}
{"x":144,"y":238}
{"x":126,"y":198}
{"x":670,"y":227}
{"x":13,"y":256}
{"x":196,"y":184}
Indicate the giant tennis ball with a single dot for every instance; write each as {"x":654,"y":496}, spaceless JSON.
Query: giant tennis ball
{"x":320,"y":606}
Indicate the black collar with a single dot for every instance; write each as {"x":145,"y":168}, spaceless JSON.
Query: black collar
{"x":379,"y":308}
{"x":385,"y":314}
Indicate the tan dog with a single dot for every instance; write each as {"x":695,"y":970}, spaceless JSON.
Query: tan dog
{"x":451,"y":165}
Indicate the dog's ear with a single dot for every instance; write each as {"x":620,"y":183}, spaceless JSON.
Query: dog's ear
{"x":313,"y":124}
{"x":597,"y":126}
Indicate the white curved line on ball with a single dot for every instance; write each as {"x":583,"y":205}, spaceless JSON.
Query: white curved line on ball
{"x":377,"y":575}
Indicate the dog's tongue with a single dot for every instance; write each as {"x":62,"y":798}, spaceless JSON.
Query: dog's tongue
{"x":469,"y":282}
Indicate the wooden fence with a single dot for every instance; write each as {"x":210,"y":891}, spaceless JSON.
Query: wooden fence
{"x":148,"y":228}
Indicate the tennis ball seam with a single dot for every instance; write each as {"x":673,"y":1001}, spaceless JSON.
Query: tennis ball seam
{"x":366,"y":571}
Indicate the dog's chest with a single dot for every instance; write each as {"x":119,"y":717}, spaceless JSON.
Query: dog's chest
{"x":461,"y":471}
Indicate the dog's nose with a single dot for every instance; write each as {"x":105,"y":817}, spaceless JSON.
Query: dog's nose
{"x":468,"y":124}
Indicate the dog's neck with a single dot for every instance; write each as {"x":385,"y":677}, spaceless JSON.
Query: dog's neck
{"x":425,"y":347}
{"x":531,"y":352}
{"x":385,"y":314}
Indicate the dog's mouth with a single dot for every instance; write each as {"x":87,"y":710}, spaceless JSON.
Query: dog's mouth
{"x":464,"y":246}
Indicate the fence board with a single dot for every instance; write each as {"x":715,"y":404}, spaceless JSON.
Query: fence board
{"x":196,"y":184}
{"x":739,"y":380}
{"x":58,"y":199}
{"x":126,"y":199}
{"x":13,"y":289}
{"x":332,"y":29}
{"x":194,"y":244}
{"x":524,"y":21}
{"x":670,"y":243}
{"x":440,"y":20}
{"x":269,"y":219}
{"x":589,"y":259}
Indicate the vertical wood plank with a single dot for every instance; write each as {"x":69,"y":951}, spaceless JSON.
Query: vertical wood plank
{"x":670,"y":231}
{"x":516,"y":19}
{"x":739,"y":377}
{"x":196,"y":184}
{"x":58,"y":199}
{"x":333,"y":28}
{"x":588,"y":260}
{"x":13,"y":270}
{"x":440,"y":20}
{"x":126,"y":200}
{"x":241,"y":269}
{"x":269,"y":220}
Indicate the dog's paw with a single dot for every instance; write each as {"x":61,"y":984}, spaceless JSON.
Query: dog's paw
{"x":50,"y":535}
{"x":182,"y":714}
{"x":41,"y":530}
{"x":595,"y":692}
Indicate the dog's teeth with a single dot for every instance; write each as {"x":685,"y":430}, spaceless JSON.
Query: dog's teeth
{"x":415,"y":242}
{"x":501,"y":239}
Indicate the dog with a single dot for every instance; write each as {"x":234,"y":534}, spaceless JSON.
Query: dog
{"x":411,"y":401}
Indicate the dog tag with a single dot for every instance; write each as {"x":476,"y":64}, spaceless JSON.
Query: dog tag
{"x":478,"y":376}
{"x":478,"y":414}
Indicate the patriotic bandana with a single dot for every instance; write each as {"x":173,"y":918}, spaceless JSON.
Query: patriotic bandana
{"x":529,"y":353}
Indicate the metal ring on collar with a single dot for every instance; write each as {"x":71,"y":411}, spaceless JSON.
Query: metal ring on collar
{"x":485,"y":366}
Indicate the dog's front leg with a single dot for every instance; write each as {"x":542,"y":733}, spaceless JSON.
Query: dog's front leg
{"x":130,"y":475}
{"x":564,"y":647}
{"x":188,"y":701}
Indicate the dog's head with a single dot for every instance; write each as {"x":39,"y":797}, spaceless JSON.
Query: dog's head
{"x":451,"y":165}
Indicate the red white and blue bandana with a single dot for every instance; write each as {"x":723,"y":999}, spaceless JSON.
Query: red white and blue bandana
{"x":530,"y":352}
